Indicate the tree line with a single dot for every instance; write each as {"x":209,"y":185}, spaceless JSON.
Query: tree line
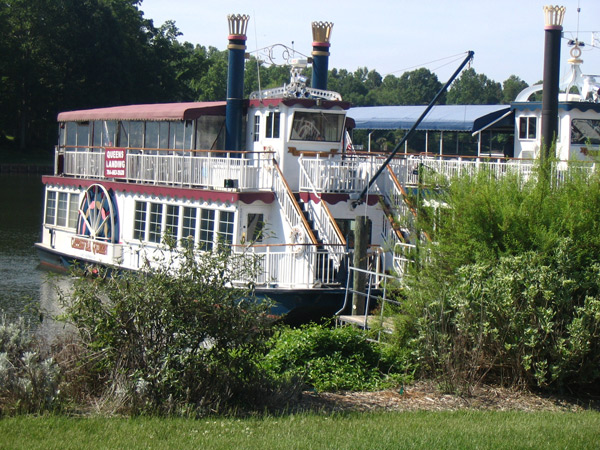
{"x":60,"y":55}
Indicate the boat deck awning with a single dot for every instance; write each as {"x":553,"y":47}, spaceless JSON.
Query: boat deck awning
{"x":465,"y":118}
{"x":157,"y":111}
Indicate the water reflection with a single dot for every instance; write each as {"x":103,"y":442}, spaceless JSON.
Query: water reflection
{"x":25,"y":289}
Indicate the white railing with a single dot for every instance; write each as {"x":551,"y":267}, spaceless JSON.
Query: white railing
{"x":349,"y":175}
{"x":273,"y":266}
{"x":336,"y":175}
{"x":178,"y":168}
{"x":88,"y":162}
{"x":402,"y":258}
{"x":290,"y":207}
{"x":293,"y":267}
{"x":324,"y":222}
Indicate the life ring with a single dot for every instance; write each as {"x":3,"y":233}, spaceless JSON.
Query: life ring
{"x":297,"y":237}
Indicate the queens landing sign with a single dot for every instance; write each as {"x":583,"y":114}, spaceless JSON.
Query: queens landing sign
{"x":114,"y":163}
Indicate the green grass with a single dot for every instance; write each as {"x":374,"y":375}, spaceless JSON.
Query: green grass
{"x":461,"y":429}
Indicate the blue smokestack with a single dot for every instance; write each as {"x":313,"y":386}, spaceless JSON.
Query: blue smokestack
{"x":320,"y":53}
{"x":235,"y":80}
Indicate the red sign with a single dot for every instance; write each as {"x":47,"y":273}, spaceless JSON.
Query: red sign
{"x":89,"y":246}
{"x":114,"y":163}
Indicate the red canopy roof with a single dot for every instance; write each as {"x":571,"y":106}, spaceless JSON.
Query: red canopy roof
{"x":157,"y":111}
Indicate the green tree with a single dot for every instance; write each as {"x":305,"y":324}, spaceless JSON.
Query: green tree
{"x":418,"y":87}
{"x":472,"y":88}
{"x":511,"y":88}
{"x":212,"y":85}
{"x":74,"y":54}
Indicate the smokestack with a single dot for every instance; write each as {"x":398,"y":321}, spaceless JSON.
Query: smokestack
{"x":554,"y":16}
{"x":238,"y":25}
{"x":320,"y":53}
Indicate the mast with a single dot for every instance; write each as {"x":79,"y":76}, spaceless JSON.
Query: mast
{"x":360,"y":196}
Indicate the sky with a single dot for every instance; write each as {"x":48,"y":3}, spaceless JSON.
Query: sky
{"x":392,"y":36}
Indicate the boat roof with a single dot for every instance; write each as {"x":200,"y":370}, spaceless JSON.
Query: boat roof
{"x":156,"y":111}
{"x":566,"y":106}
{"x":303,"y":102}
{"x":467,"y":118}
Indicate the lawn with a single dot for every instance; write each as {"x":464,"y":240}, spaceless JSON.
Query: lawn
{"x":449,"y":429}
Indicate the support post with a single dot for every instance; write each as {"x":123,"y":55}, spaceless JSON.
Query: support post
{"x":359,"y":281}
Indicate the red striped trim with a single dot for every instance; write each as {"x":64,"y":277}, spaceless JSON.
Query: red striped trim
{"x":166,"y":191}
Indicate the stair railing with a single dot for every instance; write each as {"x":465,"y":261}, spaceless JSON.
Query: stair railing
{"x":290,"y":207}
{"x":324,"y":221}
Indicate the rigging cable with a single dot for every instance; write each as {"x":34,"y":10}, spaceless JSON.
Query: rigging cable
{"x":257,"y":59}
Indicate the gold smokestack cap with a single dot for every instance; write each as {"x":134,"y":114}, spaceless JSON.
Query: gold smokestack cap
{"x":238,"y":25}
{"x":321,"y":33}
{"x":554,"y":16}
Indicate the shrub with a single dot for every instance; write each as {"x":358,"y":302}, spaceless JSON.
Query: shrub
{"x":28,"y":379}
{"x":510,"y":287}
{"x":173,"y":338}
{"x":332,"y":359}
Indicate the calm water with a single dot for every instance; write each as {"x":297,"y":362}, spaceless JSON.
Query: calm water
{"x":22,"y":282}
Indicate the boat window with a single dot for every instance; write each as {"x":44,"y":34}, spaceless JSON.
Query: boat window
{"x":585,"y":131}
{"x":123,"y":134}
{"x":104,"y":133}
{"x":155,"y":223}
{"x":62,"y":135}
{"x":177,"y":135}
{"x":83,"y":134}
{"x":50,"y":207}
{"x":188,"y":142}
{"x":273,"y":125}
{"x":151,"y":139}
{"x":256,"y":128}
{"x":207,"y":225}
{"x":317,"y":126}
{"x":62,"y":210}
{"x":226,"y":227}
{"x":172,"y":222}
{"x":73,"y":210}
{"x":156,"y":135}
{"x":102,"y":137}
{"x":136,"y":134}
{"x":188,"y":227}
{"x":209,"y":132}
{"x":71,"y":134}
{"x":527,"y":127}
{"x":139,"y":224}
{"x":254,"y":229}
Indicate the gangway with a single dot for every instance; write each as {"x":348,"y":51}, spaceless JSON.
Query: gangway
{"x":377,"y":290}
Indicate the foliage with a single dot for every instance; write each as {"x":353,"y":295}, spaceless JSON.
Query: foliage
{"x":416,"y":87}
{"x":28,"y":379}
{"x":332,"y":359}
{"x":471,"y":88}
{"x":510,"y":289}
{"x":173,"y":338}
{"x":511,"y":87}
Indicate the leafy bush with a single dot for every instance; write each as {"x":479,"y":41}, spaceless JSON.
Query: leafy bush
{"x":510,"y":287}
{"x":174,"y":338}
{"x":331,"y":359}
{"x":522,"y":320}
{"x":28,"y":380}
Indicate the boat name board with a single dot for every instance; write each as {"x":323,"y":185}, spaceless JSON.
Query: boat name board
{"x":114,"y":163}
{"x":99,"y":248}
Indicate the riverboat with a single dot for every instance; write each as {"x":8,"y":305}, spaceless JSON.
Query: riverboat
{"x":274,"y":176}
